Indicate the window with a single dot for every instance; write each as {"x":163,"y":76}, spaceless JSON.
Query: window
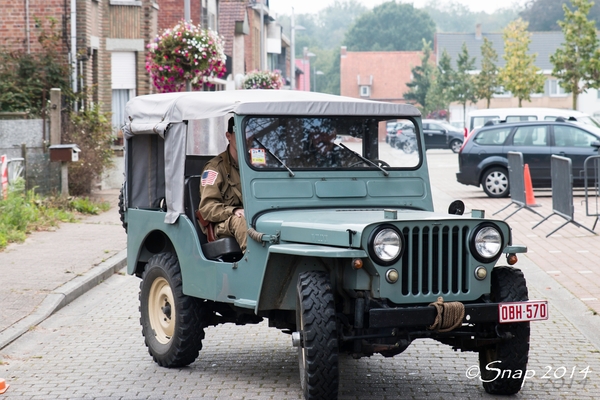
{"x":531,"y":136}
{"x":520,"y":118}
{"x":123,"y":79}
{"x":501,"y":92}
{"x":554,"y":88}
{"x":570,"y":136}
{"x":492,"y":137}
{"x":365,"y":91}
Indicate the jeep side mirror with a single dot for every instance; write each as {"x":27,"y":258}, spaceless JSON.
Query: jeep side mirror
{"x":457,"y":207}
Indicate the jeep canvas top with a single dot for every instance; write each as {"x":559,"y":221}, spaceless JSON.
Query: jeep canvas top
{"x":345,"y":253}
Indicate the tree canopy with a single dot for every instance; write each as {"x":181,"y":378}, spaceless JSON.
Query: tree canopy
{"x":543,"y":15}
{"x":519,"y":75}
{"x":487,"y":81}
{"x":390,"y":26}
{"x":422,"y":79}
{"x":576,"y":61}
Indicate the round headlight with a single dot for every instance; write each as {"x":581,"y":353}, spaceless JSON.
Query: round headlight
{"x":386,"y":245}
{"x":487,"y":243}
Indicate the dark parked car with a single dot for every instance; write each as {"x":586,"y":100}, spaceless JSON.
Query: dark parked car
{"x":442,"y":135}
{"x":482,"y":160}
{"x":399,"y":129}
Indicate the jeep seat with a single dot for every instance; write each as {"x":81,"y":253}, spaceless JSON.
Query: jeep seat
{"x":226,"y":249}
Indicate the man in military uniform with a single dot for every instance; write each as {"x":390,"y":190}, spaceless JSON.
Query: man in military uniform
{"x":221,"y":193}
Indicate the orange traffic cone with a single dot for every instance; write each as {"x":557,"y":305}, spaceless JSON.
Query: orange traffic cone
{"x":529,"y":197}
{"x":3,"y":386}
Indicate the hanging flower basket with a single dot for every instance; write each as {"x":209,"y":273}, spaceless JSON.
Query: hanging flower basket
{"x":263,"y":80}
{"x":185,"y":53}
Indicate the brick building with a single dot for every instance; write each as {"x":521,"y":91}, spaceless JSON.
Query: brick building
{"x":377,"y":75}
{"x":106,"y":48}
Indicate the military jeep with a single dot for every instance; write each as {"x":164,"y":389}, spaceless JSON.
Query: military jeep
{"x":346,"y":252}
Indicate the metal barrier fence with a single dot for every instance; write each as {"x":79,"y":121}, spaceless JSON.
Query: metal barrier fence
{"x":562,"y":193}
{"x":33,"y":164}
{"x":516,"y":182}
{"x":595,"y":160}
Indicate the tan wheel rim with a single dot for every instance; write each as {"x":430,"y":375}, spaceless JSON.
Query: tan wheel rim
{"x":161,"y":310}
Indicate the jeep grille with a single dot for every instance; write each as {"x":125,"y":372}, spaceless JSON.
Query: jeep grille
{"x":435,"y":261}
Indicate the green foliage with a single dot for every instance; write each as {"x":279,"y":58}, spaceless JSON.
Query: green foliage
{"x":84,"y":205}
{"x":451,"y":16}
{"x":464,"y":90}
{"x":543,"y":15}
{"x":576,"y":62}
{"x":439,"y":95}
{"x":26,"y":79}
{"x":24,"y":212}
{"x":520,"y":75}
{"x":486,"y":82}
{"x":423,"y":76}
{"x":390,"y":26}
{"x":91,"y":131}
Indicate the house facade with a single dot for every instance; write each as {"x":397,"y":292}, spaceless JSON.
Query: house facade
{"x":543,"y":44}
{"x":377,"y":75}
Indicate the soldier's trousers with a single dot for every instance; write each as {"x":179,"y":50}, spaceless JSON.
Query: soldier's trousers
{"x":233,"y":227}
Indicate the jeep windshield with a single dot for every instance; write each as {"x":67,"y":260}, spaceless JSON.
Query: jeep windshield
{"x":300,"y":143}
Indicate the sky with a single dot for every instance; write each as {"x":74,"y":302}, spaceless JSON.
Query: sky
{"x":312,"y":6}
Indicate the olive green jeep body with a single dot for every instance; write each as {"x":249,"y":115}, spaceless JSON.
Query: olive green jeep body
{"x":347,"y":253}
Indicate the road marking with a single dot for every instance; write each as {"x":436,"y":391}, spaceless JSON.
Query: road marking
{"x":554,"y":272}
{"x":588,"y":298}
{"x":586,"y":272}
{"x":583,"y":251}
{"x":555,"y":251}
{"x":532,"y":235}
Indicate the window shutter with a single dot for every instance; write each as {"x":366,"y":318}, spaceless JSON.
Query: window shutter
{"x":123,"y":70}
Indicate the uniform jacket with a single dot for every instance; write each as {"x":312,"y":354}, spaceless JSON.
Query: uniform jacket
{"x":220,"y":188}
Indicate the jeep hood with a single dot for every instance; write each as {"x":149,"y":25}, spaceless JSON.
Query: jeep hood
{"x":331,"y":226}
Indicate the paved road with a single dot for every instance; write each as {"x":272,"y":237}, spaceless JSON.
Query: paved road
{"x":93,"y":348}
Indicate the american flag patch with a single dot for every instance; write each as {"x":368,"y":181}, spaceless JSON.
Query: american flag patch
{"x":209,"y":177}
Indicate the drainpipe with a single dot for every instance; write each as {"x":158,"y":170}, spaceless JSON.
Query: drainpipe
{"x":27,"y":25}
{"x":73,"y":55}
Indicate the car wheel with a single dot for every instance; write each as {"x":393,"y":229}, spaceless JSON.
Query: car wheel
{"x":503,"y":365}
{"x":318,"y":350}
{"x":495,"y":182}
{"x":122,"y":209}
{"x":172,"y":323}
{"x":455,"y":145}
{"x":408,"y":147}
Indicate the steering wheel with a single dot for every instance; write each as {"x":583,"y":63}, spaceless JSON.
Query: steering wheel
{"x":377,"y":161}
{"x":381,"y":163}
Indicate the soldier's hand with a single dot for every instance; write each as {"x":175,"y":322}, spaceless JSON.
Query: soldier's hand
{"x":239,"y":212}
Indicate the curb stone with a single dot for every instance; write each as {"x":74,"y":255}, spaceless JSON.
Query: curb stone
{"x":64,"y":295}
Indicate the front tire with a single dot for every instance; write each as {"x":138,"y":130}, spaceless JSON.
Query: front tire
{"x":316,"y":322}
{"x":455,"y":145}
{"x":408,"y":147}
{"x":172,"y":323}
{"x":509,"y":356}
{"x":495,"y":182}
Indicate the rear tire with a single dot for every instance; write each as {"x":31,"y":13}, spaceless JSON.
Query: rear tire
{"x":316,"y":322}
{"x":509,"y":356}
{"x":495,"y":182}
{"x":122,"y":208}
{"x":172,"y":323}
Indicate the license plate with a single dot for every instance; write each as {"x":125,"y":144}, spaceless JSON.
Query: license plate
{"x":533,"y":310}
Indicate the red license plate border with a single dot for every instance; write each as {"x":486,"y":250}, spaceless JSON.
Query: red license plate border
{"x":539,"y":314}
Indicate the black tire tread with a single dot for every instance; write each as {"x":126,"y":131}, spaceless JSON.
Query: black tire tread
{"x":190,"y":313}
{"x":320,"y":335}
{"x":508,"y":284}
